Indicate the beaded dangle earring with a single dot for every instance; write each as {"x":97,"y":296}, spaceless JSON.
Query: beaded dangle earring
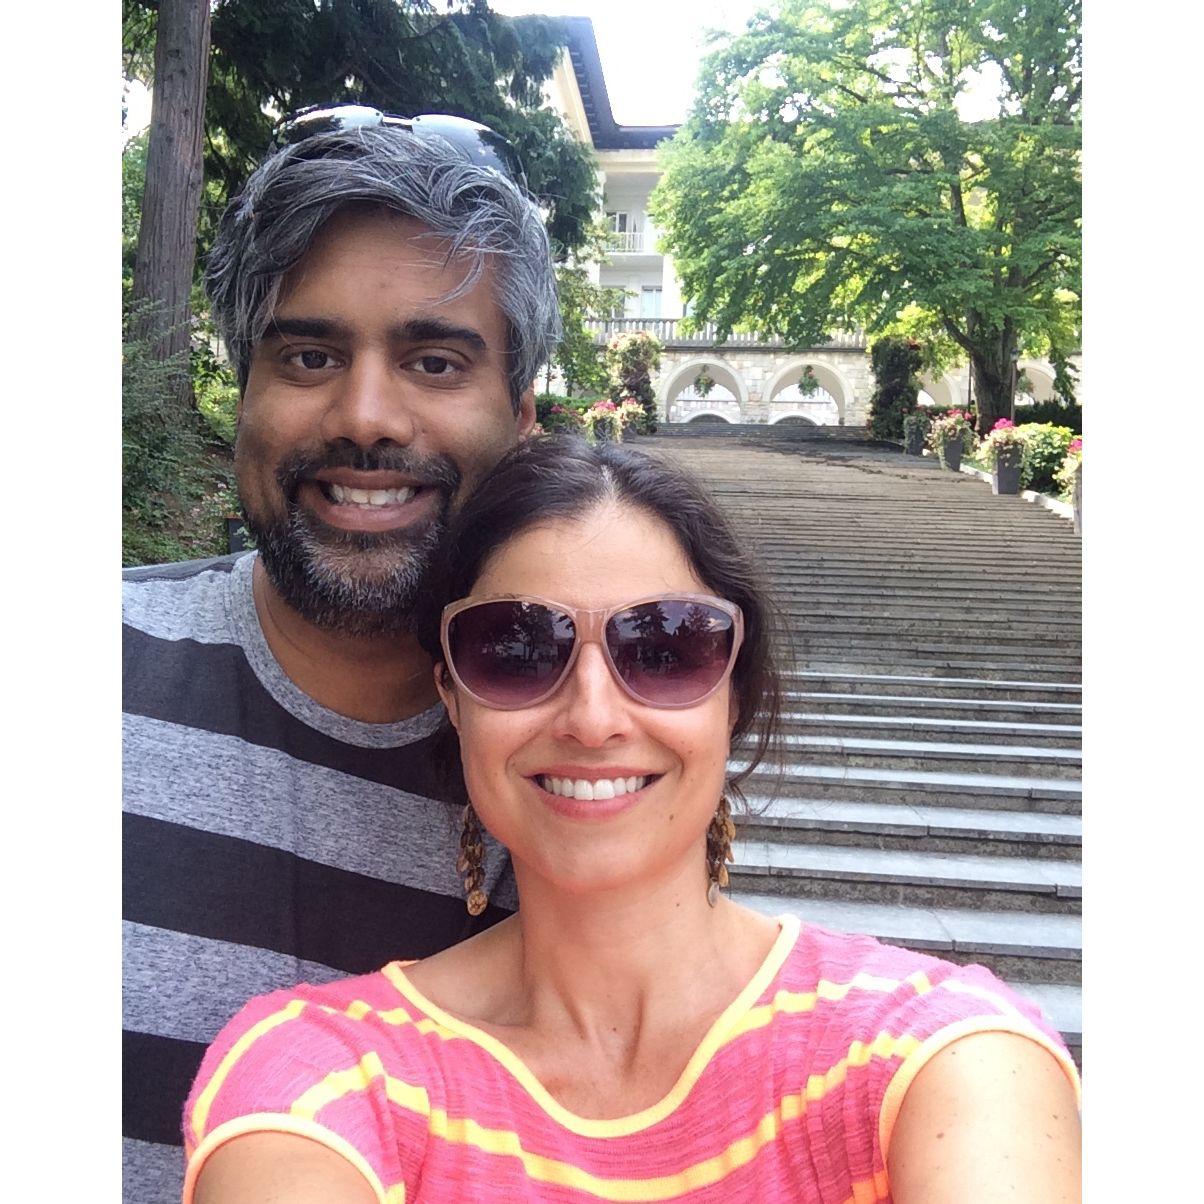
{"x":720,"y":834}
{"x":469,"y":863}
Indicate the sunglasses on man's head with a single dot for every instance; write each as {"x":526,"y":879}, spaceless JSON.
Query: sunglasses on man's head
{"x":514,"y":652}
{"x":483,"y":146}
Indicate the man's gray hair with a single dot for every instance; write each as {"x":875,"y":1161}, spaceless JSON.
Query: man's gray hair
{"x":484,"y":218}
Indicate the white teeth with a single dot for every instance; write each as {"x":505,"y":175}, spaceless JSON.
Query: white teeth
{"x":370,"y":497}
{"x":588,"y":790}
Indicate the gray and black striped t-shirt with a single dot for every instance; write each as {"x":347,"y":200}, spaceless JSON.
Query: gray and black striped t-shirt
{"x":267,"y":841}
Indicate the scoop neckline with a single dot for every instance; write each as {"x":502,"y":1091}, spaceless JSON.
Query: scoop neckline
{"x":620,"y":1126}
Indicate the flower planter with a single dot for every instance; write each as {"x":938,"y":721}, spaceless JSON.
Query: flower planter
{"x":951,"y":454}
{"x":913,"y":442}
{"x":1005,"y":478}
{"x":1076,"y":500}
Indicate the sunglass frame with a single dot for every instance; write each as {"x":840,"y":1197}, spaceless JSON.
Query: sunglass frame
{"x":487,"y":147}
{"x":590,"y":627}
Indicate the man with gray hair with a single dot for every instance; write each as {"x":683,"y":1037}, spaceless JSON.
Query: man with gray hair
{"x":385,"y":292}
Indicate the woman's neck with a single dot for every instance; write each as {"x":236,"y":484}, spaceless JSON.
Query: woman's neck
{"x":610,"y":967}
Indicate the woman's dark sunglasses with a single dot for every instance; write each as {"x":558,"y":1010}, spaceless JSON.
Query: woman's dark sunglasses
{"x":483,"y":146}
{"x":514,"y":652}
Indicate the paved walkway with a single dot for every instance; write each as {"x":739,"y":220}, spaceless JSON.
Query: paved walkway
{"x":931,"y":791}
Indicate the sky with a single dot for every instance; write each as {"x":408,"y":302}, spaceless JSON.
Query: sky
{"x":650,"y":49}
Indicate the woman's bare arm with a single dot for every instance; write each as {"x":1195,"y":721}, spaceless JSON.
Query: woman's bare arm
{"x":992,"y":1119}
{"x":272,"y":1168}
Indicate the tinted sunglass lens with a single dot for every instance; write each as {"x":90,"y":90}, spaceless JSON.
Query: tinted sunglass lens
{"x":332,"y":120}
{"x":672,"y":652}
{"x":510,"y":653}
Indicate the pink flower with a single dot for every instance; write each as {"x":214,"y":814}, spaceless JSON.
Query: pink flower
{"x":1076,"y":444}
{"x":1004,"y":424}
{"x":605,"y":405}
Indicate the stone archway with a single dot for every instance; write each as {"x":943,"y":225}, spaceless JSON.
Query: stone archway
{"x":708,"y":417}
{"x":831,"y":380}
{"x":1040,"y":378}
{"x":943,"y":390}
{"x":792,"y":419}
{"x":729,"y":408}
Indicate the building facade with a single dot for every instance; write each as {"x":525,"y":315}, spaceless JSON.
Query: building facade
{"x":747,"y":378}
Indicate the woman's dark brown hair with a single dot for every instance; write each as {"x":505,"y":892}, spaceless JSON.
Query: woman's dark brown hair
{"x":556,"y":478}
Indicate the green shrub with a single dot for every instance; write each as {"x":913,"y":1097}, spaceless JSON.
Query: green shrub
{"x":1054,"y":412}
{"x":1045,"y":447}
{"x":176,"y":487}
{"x":631,"y":359}
{"x":895,"y":363}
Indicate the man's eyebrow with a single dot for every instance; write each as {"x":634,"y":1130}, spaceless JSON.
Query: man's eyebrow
{"x":305,"y":328}
{"x":437,"y":330}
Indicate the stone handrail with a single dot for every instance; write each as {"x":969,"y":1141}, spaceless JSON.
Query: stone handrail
{"x":666,"y":329}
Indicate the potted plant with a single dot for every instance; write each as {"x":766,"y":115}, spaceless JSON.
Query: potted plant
{"x":704,"y":382}
{"x":601,"y":422}
{"x":1003,"y":453}
{"x":1070,"y":478}
{"x":950,"y":436}
{"x":915,"y":432}
{"x":808,"y":382}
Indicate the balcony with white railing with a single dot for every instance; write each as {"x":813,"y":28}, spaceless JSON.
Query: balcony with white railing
{"x":670,"y":332}
{"x":631,"y":242}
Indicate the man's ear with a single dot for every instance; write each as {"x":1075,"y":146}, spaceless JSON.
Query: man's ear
{"x":447,"y":691}
{"x":526,"y":413}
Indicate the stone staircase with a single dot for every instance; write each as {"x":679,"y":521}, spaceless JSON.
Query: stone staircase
{"x":930,"y":792}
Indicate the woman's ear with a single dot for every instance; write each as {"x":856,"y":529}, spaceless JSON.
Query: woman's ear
{"x":447,"y":691}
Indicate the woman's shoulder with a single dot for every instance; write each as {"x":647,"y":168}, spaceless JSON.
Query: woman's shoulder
{"x":870,"y":991}
{"x":283,"y":1051}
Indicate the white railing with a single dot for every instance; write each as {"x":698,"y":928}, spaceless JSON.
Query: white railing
{"x":667,"y":330}
{"x":629,"y":240}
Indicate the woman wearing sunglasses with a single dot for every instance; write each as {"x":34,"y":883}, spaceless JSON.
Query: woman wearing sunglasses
{"x":630,"y":1033}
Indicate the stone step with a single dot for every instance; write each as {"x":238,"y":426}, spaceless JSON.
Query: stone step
{"x":807,"y":608}
{"x":975,"y":791}
{"x":1027,"y":884}
{"x":852,"y":658}
{"x":924,"y":727}
{"x":1059,"y":714}
{"x":1061,"y":764}
{"x":933,"y":685}
{"x":1050,"y":944}
{"x":859,"y":676}
{"x":915,"y":827}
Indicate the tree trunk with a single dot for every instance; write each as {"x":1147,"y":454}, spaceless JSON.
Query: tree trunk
{"x":994,"y":377}
{"x":166,"y":253}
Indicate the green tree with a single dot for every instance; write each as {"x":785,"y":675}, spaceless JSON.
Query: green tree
{"x":828,"y":178}
{"x":403,"y":56}
{"x":578,"y":355}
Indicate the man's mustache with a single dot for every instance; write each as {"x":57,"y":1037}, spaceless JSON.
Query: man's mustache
{"x":435,"y":471}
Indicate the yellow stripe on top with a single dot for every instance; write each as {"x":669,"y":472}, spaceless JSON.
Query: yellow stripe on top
{"x":739,"y":1153}
{"x":200,"y":1112}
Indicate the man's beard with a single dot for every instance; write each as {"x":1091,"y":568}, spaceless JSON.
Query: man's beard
{"x":356,"y":583}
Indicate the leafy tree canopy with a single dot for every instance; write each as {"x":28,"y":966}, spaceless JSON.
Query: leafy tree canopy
{"x":828,"y":177}
{"x":403,"y":56}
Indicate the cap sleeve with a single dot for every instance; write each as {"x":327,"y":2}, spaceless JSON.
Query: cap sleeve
{"x":934,"y":1004}
{"x":288,"y":1063}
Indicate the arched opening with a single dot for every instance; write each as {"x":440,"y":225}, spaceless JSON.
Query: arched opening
{"x":792,"y":420}
{"x":1035,"y":383}
{"x":810,"y":389}
{"x":938,"y":391}
{"x":711,"y":419}
{"x":701,"y":387}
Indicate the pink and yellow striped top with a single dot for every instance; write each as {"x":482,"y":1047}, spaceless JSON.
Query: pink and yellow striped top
{"x":791,"y":1095}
